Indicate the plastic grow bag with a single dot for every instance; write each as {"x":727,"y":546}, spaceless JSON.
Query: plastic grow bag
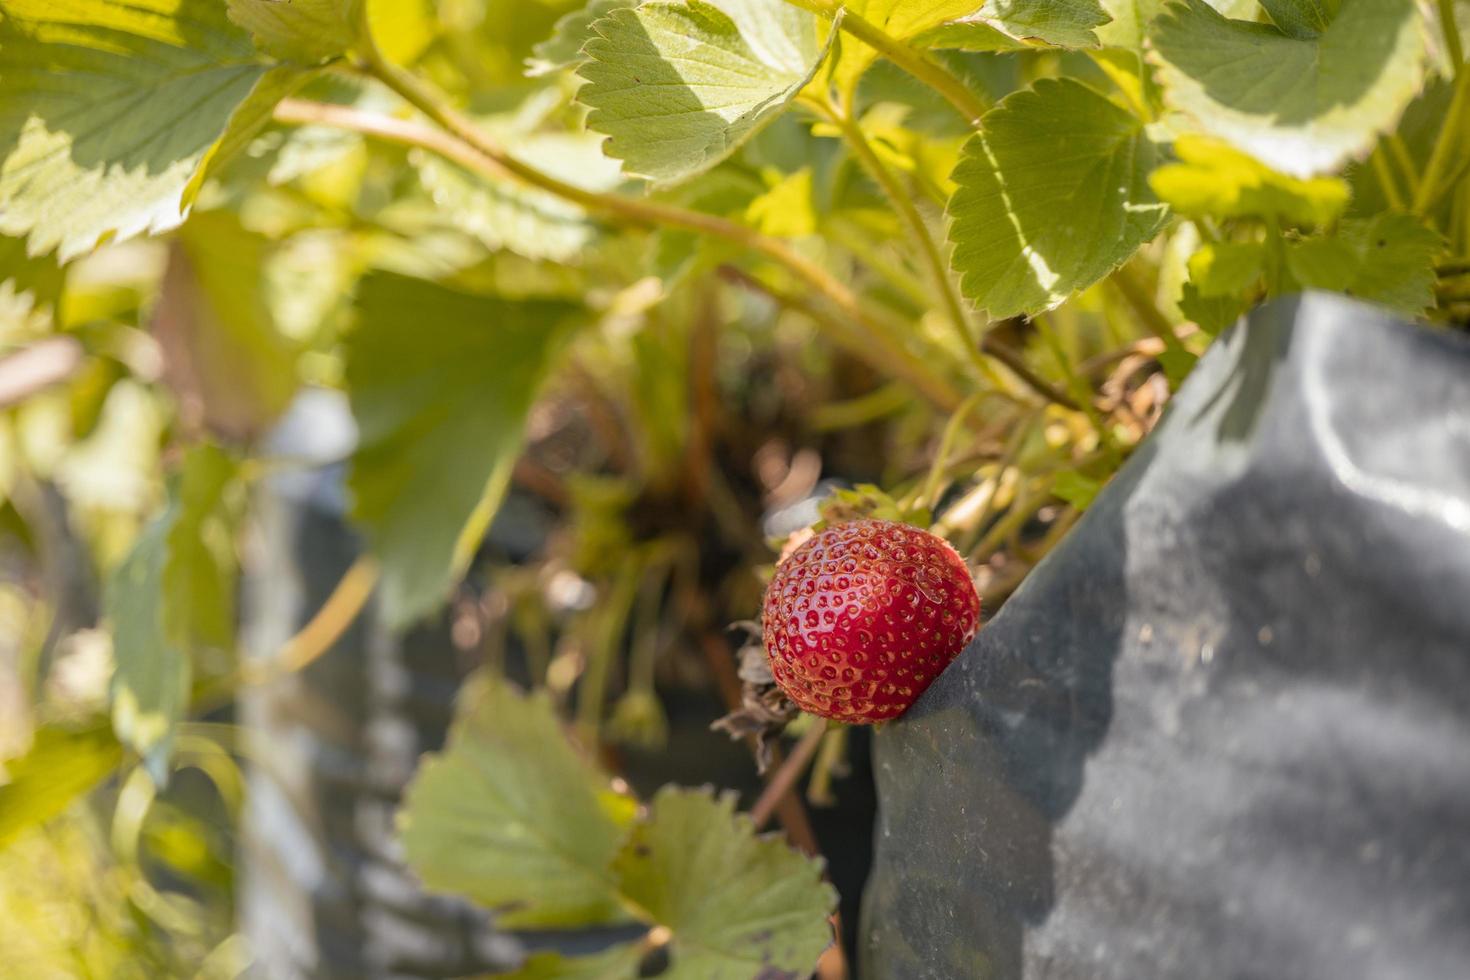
{"x":1224,"y":730}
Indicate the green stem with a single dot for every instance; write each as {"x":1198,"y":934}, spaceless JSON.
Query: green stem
{"x":1135,"y":294}
{"x":1080,"y":390}
{"x":933,"y":484}
{"x":1386,"y":182}
{"x":903,"y":203}
{"x":1445,"y":147}
{"x":898,"y":360}
{"x":970,"y":104}
{"x":904,"y":282}
{"x":1400,"y":152}
{"x":1453,"y":46}
{"x":466,"y":145}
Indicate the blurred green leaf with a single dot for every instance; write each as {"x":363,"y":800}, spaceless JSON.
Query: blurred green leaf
{"x":171,"y":595}
{"x":36,"y":276}
{"x":678,"y":87}
{"x":736,"y":903}
{"x":199,"y":574}
{"x":300,"y":30}
{"x":440,"y":382}
{"x":509,"y":215}
{"x":233,"y":371}
{"x":1214,"y":179}
{"x":1301,"y":105}
{"x":564,"y":48}
{"x":1388,"y":259}
{"x":512,"y":817}
{"x":788,"y":209}
{"x":1077,"y":489}
{"x":402,"y":29}
{"x":1227,"y":268}
{"x":109,"y":110}
{"x":1210,"y":313}
{"x":150,"y":684}
{"x":62,"y":765}
{"x":1053,"y":195}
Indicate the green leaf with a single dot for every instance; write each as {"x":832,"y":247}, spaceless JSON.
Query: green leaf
{"x":1076,"y":488}
{"x":788,"y":209}
{"x":966,"y":35}
{"x":248,"y":119}
{"x":62,"y":765}
{"x":1227,"y":268}
{"x":1302,"y":18}
{"x":1217,"y":180}
{"x":1210,"y":313}
{"x":512,"y":817}
{"x":678,"y":87}
{"x":616,"y":963}
{"x":150,"y":684}
{"x":1388,"y":259}
{"x":109,"y":110}
{"x":1053,"y":195}
{"x":1062,"y":23}
{"x":1125,"y":41}
{"x":199,"y":575}
{"x":172,"y":594}
{"x":1301,"y":105}
{"x":440,"y":383}
{"x":233,"y":371}
{"x":564,"y":48}
{"x":509,"y":215}
{"x":737,"y":905}
{"x":402,"y":29}
{"x":307,"y":31}
{"x":1128,"y":27}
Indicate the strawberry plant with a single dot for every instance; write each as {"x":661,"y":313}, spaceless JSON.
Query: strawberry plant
{"x":689,"y":275}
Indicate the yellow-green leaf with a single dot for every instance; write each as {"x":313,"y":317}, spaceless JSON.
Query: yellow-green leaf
{"x":677,"y":87}
{"x":1302,"y":105}
{"x":1053,"y":195}
{"x":108,"y":109}
{"x":1216,"y":180}
{"x":509,"y":815}
{"x":738,"y":905}
{"x":440,"y":382}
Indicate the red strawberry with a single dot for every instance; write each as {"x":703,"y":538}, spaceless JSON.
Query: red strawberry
{"x":861,"y":618}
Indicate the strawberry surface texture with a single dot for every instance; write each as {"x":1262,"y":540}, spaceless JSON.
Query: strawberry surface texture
{"x":860,"y":619}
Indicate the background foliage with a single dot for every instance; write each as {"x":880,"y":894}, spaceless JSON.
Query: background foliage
{"x":664,"y":266}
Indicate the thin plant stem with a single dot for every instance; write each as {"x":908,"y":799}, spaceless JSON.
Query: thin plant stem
{"x":1441,"y":159}
{"x":948,"y":398}
{"x":784,"y":779}
{"x":431,"y":103}
{"x":903,"y":203}
{"x":1400,"y":153}
{"x":1018,"y":366}
{"x":1386,"y":182}
{"x":323,"y":629}
{"x":918,"y":64}
{"x":1453,"y":47}
{"x":929,"y":495}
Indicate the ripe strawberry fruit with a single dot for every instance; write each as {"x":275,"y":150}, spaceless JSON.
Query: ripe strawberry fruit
{"x":861,"y":618}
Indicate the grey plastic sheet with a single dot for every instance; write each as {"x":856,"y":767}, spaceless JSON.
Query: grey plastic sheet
{"x":1224,"y":730}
